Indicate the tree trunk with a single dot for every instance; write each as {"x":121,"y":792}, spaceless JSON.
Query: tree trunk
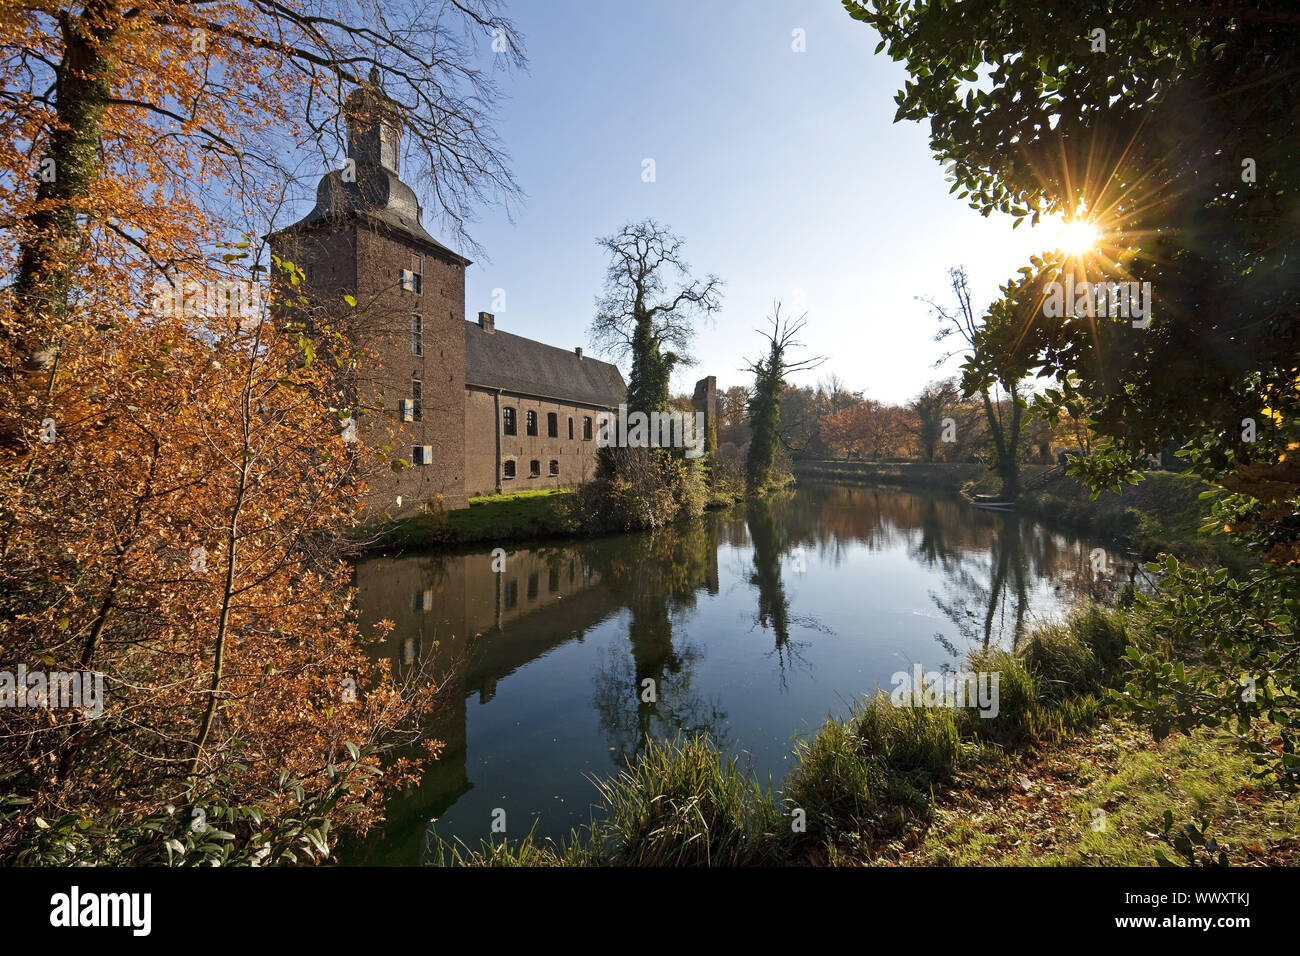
{"x":52,"y":236}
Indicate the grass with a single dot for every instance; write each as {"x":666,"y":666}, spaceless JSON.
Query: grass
{"x":1046,"y":812}
{"x":935,"y":785}
{"x":933,"y":476}
{"x":518,"y":516}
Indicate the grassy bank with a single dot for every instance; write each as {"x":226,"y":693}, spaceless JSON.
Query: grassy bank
{"x":935,"y":476}
{"x":514,"y":517}
{"x":1162,"y":513}
{"x":934,"y":785}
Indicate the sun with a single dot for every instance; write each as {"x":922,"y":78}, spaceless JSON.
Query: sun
{"x":1078,"y":237}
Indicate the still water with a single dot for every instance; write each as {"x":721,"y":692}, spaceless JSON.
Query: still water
{"x":755,"y":624}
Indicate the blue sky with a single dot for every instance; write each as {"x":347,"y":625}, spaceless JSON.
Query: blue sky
{"x":783,"y":171}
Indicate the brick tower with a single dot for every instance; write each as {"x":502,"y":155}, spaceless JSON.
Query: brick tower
{"x":365,"y":238}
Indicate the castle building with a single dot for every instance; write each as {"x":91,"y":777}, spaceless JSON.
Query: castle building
{"x":471,"y":408}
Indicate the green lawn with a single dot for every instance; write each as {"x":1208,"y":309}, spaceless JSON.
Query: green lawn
{"x":521,"y":515}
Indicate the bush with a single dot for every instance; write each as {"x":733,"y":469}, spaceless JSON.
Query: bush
{"x":638,"y":489}
{"x":682,"y":804}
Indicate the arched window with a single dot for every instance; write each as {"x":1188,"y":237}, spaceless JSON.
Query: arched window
{"x":531,"y":421}
{"x":508,"y":468}
{"x":508,"y":421}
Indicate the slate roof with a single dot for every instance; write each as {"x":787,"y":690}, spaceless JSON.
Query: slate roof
{"x":516,"y":364}
{"x":378,"y":196}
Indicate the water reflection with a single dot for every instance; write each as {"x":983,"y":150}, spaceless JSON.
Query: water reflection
{"x":543,"y":668}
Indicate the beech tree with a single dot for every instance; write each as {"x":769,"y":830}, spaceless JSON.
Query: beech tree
{"x":175,"y":471}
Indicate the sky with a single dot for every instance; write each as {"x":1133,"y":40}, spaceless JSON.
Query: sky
{"x":783,"y":171}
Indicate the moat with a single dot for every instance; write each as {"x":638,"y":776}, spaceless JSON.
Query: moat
{"x":754,"y":624}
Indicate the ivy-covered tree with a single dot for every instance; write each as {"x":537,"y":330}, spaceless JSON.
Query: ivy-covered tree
{"x":765,"y":399}
{"x":649,"y":307}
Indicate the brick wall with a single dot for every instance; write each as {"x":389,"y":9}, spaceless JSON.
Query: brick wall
{"x":384,"y":310}
{"x":576,"y":459}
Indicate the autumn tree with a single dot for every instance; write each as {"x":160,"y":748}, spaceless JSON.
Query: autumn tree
{"x":931,"y":407}
{"x":993,"y":381}
{"x":175,"y":470}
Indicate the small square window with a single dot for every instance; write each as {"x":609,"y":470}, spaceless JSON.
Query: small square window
{"x":555,"y":468}
{"x":411,"y":281}
{"x":422,"y":454}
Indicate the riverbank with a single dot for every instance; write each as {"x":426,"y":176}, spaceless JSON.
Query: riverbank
{"x":928,"y":476}
{"x":505,"y":519}
{"x":1053,"y":778}
{"x":525,"y":515}
{"x":1161,"y":514}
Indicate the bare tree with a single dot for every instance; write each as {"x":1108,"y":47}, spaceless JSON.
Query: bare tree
{"x":765,"y":403}
{"x":1004,"y":422}
{"x":648,"y":308}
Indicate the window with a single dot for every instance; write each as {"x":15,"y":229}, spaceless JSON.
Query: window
{"x":413,"y":278}
{"x":555,"y":468}
{"x":530,"y":420}
{"x":417,"y":335}
{"x":553,"y":579}
{"x":534,"y":469}
{"x":552,"y":425}
{"x":406,"y":409}
{"x":508,"y":421}
{"x":512,"y":592}
{"x":586,"y":428}
{"x":570,"y":428}
{"x":508,"y":468}
{"x":417,"y":400}
{"x":422,"y":454}
{"x":532,"y":586}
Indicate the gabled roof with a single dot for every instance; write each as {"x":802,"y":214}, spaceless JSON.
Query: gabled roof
{"x":516,"y":364}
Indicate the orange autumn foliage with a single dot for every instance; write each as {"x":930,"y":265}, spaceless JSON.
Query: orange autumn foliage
{"x":173,"y":481}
